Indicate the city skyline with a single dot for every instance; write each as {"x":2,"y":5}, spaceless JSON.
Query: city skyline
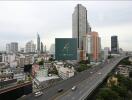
{"x":54,"y":20}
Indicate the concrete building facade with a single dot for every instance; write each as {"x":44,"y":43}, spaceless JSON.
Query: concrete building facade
{"x":14,"y":47}
{"x":30,"y":47}
{"x":96,"y":46}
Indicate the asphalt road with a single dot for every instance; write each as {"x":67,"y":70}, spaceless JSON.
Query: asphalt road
{"x":87,"y":86}
{"x":85,"y":82}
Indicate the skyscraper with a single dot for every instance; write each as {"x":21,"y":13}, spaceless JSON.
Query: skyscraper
{"x":30,"y":47}
{"x":114,"y":45}
{"x":96,"y":46}
{"x":80,"y":28}
{"x":14,"y":47}
{"x":38,"y":43}
{"x":45,"y":49}
{"x":8,"y":48}
{"x":42,"y":47}
{"x":52,"y":49}
{"x":79,"y":23}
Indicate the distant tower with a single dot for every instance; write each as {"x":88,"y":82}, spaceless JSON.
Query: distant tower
{"x":8,"y":48}
{"x":42,"y":46}
{"x":45,"y":48}
{"x":114,"y":45}
{"x":38,"y":43}
{"x":14,"y":47}
{"x":96,"y":46}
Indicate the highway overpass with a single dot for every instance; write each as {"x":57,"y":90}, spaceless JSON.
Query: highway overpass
{"x":85,"y":81}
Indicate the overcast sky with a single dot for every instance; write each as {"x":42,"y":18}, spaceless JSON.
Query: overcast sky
{"x":20,"y":21}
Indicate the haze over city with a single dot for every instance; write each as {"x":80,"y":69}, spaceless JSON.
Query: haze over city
{"x":20,"y":21}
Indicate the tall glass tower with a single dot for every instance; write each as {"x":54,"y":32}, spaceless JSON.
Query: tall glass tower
{"x":38,"y":43}
{"x":79,"y":23}
{"x":80,"y":28}
{"x":114,"y":44}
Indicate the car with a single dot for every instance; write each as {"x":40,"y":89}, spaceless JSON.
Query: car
{"x":49,"y":75}
{"x":38,"y":93}
{"x":91,"y":72}
{"x":60,"y":90}
{"x":99,"y":73}
{"x":73,"y":88}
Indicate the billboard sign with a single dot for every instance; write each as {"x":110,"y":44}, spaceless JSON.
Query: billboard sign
{"x":66,"y":49}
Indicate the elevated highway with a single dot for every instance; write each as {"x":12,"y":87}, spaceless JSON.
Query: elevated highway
{"x":85,"y":81}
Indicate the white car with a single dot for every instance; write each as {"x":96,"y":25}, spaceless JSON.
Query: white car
{"x":73,"y":88}
{"x":91,"y":72}
{"x":99,"y":73}
{"x":39,"y":93}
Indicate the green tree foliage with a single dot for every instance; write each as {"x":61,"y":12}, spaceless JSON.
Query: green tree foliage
{"x":51,"y":59}
{"x":123,"y":81}
{"x":125,"y":62}
{"x":82,"y":67}
{"x":109,"y":57}
{"x":107,"y":94}
{"x":84,"y":62}
{"x":41,"y":62}
{"x":53,"y":71}
{"x":130,"y":74}
{"x":121,"y":90}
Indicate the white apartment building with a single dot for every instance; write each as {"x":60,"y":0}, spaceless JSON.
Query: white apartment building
{"x":18,"y":60}
{"x":19,"y":76}
{"x":42,"y":73}
{"x":106,"y":52}
{"x":65,"y":72}
{"x":30,"y":47}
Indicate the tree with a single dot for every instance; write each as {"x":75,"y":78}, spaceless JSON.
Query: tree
{"x":107,"y":94}
{"x":51,"y":59}
{"x":121,"y":90}
{"x":41,"y":62}
{"x":53,"y":71}
{"x":130,"y":74}
{"x":109,"y":57}
{"x":125,"y":62}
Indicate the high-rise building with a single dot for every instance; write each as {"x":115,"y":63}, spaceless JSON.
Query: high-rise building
{"x":8,"y":48}
{"x":88,"y":44}
{"x":45,"y":49}
{"x":14,"y":47}
{"x":96,"y":46}
{"x":52,"y":49}
{"x":80,"y":28}
{"x":79,"y":23}
{"x":99,"y":49}
{"x":106,"y":52}
{"x":38,"y":43}
{"x":114,"y":45}
{"x":30,"y":47}
{"x":42,"y":47}
{"x":0,"y":57}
